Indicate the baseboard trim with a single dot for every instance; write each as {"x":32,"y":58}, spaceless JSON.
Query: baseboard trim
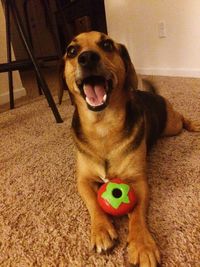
{"x":4,"y":97}
{"x":191,"y":73}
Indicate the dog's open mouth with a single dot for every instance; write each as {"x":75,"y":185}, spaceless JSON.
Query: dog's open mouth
{"x":95,"y":90}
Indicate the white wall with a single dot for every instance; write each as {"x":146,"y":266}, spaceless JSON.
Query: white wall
{"x":19,"y":91}
{"x":135,"y":23}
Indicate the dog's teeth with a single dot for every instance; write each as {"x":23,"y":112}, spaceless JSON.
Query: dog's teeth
{"x":87,"y":100}
{"x":96,"y":105}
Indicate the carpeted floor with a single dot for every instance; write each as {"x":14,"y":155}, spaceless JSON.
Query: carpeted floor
{"x":43,"y":221}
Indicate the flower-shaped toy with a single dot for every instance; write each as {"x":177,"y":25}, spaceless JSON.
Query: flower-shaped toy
{"x":116,"y":197}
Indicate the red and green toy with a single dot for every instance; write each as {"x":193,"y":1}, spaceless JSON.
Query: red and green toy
{"x":116,"y":197}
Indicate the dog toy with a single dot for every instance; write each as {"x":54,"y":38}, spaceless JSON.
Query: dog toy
{"x":116,"y":197}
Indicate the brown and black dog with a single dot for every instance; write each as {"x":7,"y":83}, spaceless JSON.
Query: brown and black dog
{"x":114,"y":125}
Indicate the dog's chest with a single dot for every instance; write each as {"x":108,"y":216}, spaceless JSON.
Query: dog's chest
{"x":112,"y":157}
{"x":102,"y":133}
{"x":105,"y":143}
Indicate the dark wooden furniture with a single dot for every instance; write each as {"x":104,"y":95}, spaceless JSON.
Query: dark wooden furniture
{"x":64,"y":19}
{"x":76,"y":16}
{"x":10,"y":66}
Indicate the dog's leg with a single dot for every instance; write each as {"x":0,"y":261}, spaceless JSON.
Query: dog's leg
{"x":191,"y":126}
{"x":176,"y":122}
{"x":103,"y":233}
{"x":142,"y":248}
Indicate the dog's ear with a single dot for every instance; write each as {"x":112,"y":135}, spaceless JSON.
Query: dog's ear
{"x":62,"y":82}
{"x":131,"y":81}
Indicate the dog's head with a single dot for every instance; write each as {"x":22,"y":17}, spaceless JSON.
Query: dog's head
{"x":95,"y":67}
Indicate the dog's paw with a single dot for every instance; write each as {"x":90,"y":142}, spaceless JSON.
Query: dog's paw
{"x":191,"y":125}
{"x":103,"y":236}
{"x":142,"y":251}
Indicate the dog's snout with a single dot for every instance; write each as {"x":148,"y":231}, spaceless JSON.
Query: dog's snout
{"x":88,"y":59}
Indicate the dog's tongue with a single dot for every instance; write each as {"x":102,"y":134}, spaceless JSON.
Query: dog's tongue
{"x":94,"y":94}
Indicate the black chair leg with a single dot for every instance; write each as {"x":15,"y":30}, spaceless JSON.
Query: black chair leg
{"x":9,"y":54}
{"x":25,"y":9}
{"x":39,"y":85}
{"x":42,"y":82}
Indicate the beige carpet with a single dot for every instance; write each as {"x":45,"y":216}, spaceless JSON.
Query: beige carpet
{"x":43,"y":221}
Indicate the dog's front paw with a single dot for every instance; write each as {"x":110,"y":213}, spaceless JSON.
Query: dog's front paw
{"x":142,"y":250}
{"x":103,"y":235}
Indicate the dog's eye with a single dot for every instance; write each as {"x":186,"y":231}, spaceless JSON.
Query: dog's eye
{"x":107,"y":45}
{"x":72,"y":51}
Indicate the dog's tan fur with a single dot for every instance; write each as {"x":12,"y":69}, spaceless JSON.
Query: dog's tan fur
{"x":104,"y":148}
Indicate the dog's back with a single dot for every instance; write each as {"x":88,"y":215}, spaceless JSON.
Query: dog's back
{"x":155,"y":112}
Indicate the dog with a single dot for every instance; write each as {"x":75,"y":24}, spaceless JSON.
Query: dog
{"x":114,"y":126}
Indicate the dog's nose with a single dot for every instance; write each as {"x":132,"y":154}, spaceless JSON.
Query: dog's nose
{"x":88,"y":59}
